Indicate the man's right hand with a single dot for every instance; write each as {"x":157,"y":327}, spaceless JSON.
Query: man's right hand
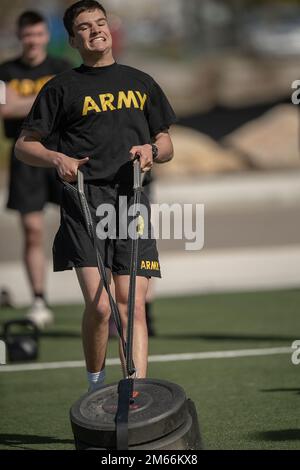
{"x":67,"y":167}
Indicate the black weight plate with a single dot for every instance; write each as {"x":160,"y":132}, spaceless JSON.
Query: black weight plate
{"x":197,"y":443}
{"x":159,"y":408}
{"x":181,"y":439}
{"x":82,"y":446}
{"x":184,"y":438}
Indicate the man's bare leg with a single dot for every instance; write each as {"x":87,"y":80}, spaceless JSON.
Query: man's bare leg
{"x":95,"y":318}
{"x":140,"y":335}
{"x":34,"y":258}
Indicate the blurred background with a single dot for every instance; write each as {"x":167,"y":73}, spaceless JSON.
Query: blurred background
{"x":227,"y":68}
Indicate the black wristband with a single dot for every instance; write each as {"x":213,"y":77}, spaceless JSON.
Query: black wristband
{"x":154,"y":152}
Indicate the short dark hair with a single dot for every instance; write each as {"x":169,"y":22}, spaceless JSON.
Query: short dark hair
{"x":30,"y":18}
{"x":74,"y":10}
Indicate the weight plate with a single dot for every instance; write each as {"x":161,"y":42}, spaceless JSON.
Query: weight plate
{"x":159,"y":408}
{"x":186,"y":437}
{"x":196,"y":433}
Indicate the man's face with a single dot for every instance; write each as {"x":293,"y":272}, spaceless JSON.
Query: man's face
{"x":91,"y":33}
{"x":34,"y":39}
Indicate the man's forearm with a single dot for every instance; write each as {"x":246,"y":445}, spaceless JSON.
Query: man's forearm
{"x":33,"y":152}
{"x":17,"y":110}
{"x":16,"y":107}
{"x":165,"y":148}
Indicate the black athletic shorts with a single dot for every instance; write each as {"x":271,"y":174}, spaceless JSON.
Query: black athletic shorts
{"x":73,"y":247}
{"x":31,"y":188}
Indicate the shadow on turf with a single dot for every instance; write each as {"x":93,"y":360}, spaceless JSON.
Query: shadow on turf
{"x":19,"y":440}
{"x":60,"y":334}
{"x":282,"y":435}
{"x":270,"y":390}
{"x":53,"y":334}
{"x":226,"y":337}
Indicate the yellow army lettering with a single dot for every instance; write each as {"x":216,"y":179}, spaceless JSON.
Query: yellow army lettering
{"x":151,"y":265}
{"x":109,"y":102}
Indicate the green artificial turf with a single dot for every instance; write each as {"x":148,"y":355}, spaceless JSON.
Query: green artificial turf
{"x":243,"y":402}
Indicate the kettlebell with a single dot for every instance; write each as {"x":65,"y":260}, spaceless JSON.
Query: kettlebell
{"x":23,"y":344}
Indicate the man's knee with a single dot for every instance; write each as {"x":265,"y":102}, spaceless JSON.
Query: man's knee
{"x":139,"y":312}
{"x":33,"y":230}
{"x":34,"y":236}
{"x":100,"y":311}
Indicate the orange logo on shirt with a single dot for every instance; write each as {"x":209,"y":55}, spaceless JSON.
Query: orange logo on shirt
{"x":28,"y":87}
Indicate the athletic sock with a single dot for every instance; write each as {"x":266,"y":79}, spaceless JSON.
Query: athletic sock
{"x":96,"y":380}
{"x":39,"y":295}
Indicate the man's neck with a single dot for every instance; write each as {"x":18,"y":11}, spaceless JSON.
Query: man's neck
{"x":98,"y":61}
{"x":34,"y":61}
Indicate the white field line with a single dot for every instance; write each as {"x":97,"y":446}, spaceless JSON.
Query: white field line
{"x":153,"y":359}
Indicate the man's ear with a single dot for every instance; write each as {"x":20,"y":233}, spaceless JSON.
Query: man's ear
{"x":72,"y":42}
{"x":48,"y":36}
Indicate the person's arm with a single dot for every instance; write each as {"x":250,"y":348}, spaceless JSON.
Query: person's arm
{"x":31,"y":151}
{"x":165,"y":147}
{"x":165,"y":151}
{"x":160,"y":116}
{"x":16,"y":107}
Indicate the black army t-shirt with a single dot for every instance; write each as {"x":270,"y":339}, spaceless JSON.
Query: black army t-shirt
{"x":28,"y":81}
{"x":100,"y":113}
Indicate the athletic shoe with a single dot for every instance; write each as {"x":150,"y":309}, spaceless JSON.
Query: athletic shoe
{"x":40,"y":314}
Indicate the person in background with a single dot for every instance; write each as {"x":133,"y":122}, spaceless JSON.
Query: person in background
{"x":30,"y":189}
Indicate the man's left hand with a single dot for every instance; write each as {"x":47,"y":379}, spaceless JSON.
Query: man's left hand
{"x":145,"y":154}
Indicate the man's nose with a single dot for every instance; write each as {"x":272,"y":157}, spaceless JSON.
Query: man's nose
{"x":95,"y":30}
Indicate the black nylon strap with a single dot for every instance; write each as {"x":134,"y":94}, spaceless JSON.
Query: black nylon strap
{"x":137,"y":187}
{"x":125,"y":388}
{"x":102,"y":270}
{"x":125,"y":391}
